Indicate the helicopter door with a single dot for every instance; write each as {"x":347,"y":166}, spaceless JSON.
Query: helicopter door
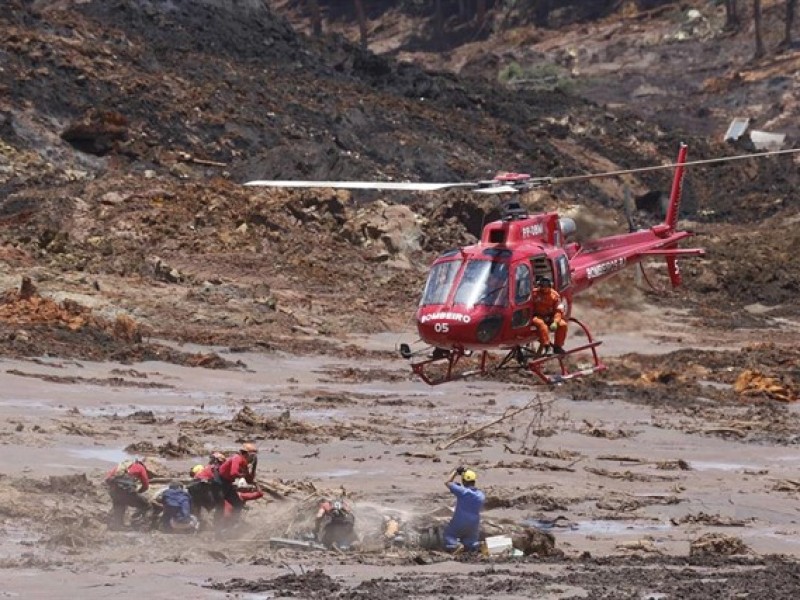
{"x":541,"y":267}
{"x":562,"y":280}
{"x":522,"y":295}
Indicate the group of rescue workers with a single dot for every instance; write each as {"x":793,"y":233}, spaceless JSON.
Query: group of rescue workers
{"x":225,"y":484}
{"x":220,"y":487}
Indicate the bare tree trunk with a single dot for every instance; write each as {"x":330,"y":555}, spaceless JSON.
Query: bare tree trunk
{"x":362,"y":22}
{"x":732,"y":15}
{"x":541,"y":13}
{"x":760,"y":51}
{"x":790,"y":11}
{"x":316,"y":19}
{"x":480,"y":13}
{"x":438,"y":24}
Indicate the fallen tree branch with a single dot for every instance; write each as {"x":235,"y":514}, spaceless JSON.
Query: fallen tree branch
{"x":186,"y":157}
{"x":506,"y":415}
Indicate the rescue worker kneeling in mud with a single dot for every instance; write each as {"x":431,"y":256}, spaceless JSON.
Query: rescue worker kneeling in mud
{"x":127,"y":483}
{"x":548,"y":315}
{"x":465,"y":526}
{"x":334,"y":525}
{"x":235,"y":467}
{"x":176,"y":509}
{"x":205,"y":489}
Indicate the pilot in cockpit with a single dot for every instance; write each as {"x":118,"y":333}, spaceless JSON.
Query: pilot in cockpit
{"x":496,"y":290}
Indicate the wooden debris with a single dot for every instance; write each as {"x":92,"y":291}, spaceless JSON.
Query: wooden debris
{"x":717,"y":543}
{"x":751,"y":383}
{"x":643,"y":545}
{"x":628,"y":476}
{"x":787,"y":485}
{"x":429,"y":455}
{"x":621,"y":458}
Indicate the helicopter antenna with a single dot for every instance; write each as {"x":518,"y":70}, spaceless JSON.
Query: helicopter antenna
{"x":630,"y":207}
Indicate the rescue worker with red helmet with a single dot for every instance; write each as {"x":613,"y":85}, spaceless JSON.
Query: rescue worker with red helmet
{"x":126,"y":484}
{"x":465,"y":526}
{"x":548,"y":315}
{"x":242,"y":464}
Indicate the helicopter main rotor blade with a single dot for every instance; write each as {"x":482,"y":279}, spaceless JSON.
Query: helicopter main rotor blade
{"x":691,"y":163}
{"x":504,"y":183}
{"x":361,"y":185}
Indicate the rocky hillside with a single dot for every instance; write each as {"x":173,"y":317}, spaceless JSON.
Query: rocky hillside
{"x":128,"y":126}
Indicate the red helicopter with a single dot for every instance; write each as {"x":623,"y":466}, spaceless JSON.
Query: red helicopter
{"x":479,"y":298}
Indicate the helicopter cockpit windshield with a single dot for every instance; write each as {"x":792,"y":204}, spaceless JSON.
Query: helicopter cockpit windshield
{"x":483,"y":282}
{"x":439,"y":283}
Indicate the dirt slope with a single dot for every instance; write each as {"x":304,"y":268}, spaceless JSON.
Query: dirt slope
{"x":129,"y":125}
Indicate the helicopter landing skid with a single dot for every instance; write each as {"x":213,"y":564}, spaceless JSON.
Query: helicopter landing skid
{"x":451,"y":358}
{"x":538,"y":362}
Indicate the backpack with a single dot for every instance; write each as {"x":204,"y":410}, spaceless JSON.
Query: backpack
{"x":121,"y":479}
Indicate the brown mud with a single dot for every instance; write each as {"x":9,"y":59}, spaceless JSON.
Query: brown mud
{"x":153,"y":305}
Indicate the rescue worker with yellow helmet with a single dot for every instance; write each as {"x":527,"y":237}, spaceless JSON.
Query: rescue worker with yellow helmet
{"x":204,"y":488}
{"x":465,"y":526}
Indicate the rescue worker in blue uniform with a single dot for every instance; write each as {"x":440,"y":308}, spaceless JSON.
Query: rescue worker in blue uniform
{"x":176,"y":506}
{"x":465,"y":526}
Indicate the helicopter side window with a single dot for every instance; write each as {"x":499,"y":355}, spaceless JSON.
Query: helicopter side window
{"x":483,"y":283}
{"x":541,"y":267}
{"x":562,"y":268}
{"x":522,"y":291}
{"x":439,"y":282}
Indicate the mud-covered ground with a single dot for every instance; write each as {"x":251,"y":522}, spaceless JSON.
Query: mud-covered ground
{"x":152,"y":305}
{"x":654,"y":478}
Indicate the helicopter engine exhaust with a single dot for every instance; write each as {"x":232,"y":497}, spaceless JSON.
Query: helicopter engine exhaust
{"x":568,"y":227}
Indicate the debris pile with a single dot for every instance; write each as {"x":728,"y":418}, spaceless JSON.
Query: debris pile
{"x":753,"y":384}
{"x":717,"y":544}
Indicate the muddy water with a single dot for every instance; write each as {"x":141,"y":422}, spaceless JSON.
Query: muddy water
{"x":391,"y":460}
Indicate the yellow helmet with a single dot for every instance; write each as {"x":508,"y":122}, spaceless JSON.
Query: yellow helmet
{"x":196,"y":469}
{"x":468,"y":476}
{"x":249,"y":448}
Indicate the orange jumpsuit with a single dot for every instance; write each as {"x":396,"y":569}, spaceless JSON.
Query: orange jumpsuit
{"x":548,"y":308}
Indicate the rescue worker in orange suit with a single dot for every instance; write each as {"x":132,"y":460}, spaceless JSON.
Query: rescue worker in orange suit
{"x":126,"y":484}
{"x":548,"y":315}
{"x":229,"y":471}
